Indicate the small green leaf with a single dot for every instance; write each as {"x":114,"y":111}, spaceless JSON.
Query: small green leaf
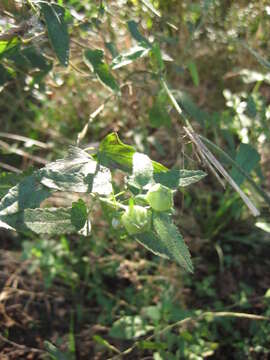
{"x":133,"y":29}
{"x":174,"y":179}
{"x":247,"y":158}
{"x":128,"y":57}
{"x":194,"y":73}
{"x":8,"y":47}
{"x":158,"y":114}
{"x":129,"y":327}
{"x":54,"y":16}
{"x":94,"y":60}
{"x":158,"y":56}
{"x":79,"y":214}
{"x":172,"y":239}
{"x":113,"y":153}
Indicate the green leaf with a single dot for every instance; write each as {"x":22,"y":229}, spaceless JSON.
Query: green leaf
{"x":29,"y":193}
{"x":113,"y":153}
{"x":158,"y":56}
{"x":133,"y":29}
{"x":179,"y":178}
{"x":194,"y":73}
{"x":152,"y":243}
{"x":129,"y":56}
{"x":129,"y":327}
{"x":4,"y":75}
{"x":8,"y":47}
{"x":78,"y":172}
{"x":158,"y":114}
{"x":54,"y":16}
{"x":247,"y":158}
{"x":36,"y":59}
{"x":7,"y":181}
{"x":79,"y":214}
{"x":94,"y":60}
{"x":46,"y":221}
{"x":142,"y":170}
{"x":172,"y":239}
{"x":54,"y":352}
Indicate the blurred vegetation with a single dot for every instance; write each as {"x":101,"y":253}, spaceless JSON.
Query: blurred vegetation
{"x":104,"y":296}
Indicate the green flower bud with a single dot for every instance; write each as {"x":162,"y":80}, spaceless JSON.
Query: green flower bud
{"x":160,"y":198}
{"x":136,"y":219}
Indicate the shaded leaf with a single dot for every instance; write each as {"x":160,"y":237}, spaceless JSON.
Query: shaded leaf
{"x":133,"y":29}
{"x":29,"y":193}
{"x":172,"y":239}
{"x":194,"y":73}
{"x":179,"y":178}
{"x":54,"y":16}
{"x":46,"y":221}
{"x":247,"y":158}
{"x":152,"y":243}
{"x":94,"y":60}
{"x":158,"y":114}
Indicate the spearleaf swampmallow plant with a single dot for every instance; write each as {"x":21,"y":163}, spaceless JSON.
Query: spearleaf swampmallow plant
{"x":145,"y":209}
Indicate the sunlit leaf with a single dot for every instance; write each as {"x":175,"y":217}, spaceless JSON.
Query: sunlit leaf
{"x":129,"y":56}
{"x":78,"y":172}
{"x":113,"y":153}
{"x":94,"y":60}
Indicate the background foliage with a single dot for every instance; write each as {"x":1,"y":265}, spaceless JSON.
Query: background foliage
{"x":73,"y":72}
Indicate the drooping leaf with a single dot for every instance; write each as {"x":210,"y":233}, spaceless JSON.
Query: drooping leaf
{"x":172,"y":239}
{"x":29,"y":193}
{"x":46,"y":221}
{"x":248,"y":158}
{"x":78,"y":172}
{"x":158,"y":114}
{"x":142,"y":169}
{"x":152,"y":243}
{"x":95,"y":60}
{"x":133,"y":29}
{"x":129,"y":56}
{"x":113,"y":153}
{"x":179,"y":178}
{"x":56,"y":23}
